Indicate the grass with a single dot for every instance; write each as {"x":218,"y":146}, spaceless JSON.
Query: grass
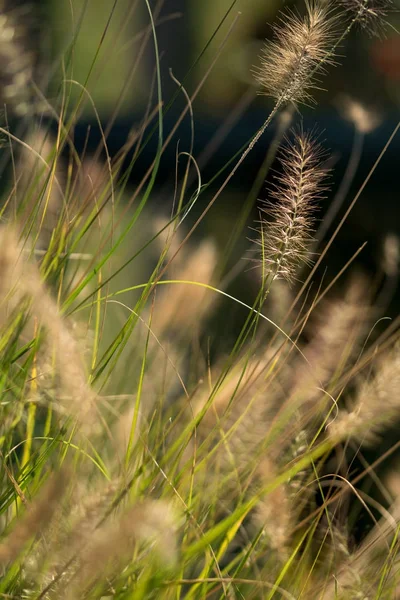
{"x":147,"y":451}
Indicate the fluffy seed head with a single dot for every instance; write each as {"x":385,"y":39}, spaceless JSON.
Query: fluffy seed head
{"x":335,"y":340}
{"x":369,"y":14}
{"x":182,"y":305}
{"x":376,"y":406}
{"x":36,"y":519}
{"x":285,"y":236}
{"x":391,"y":254}
{"x":300,"y":48}
{"x":365,"y":120}
{"x":17,"y":58}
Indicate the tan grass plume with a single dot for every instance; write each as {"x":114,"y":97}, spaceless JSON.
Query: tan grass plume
{"x":286,"y":233}
{"x":37,"y":518}
{"x":17,"y":58}
{"x":369,"y":14}
{"x":20,"y":279}
{"x":365,"y":119}
{"x":151,"y":526}
{"x":336,"y":333}
{"x":301,"y":47}
{"x":376,"y":405}
{"x":183,"y":305}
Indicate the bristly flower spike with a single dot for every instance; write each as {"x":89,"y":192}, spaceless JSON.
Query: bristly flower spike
{"x":369,"y":14}
{"x":286,"y":234}
{"x":300,"y":48}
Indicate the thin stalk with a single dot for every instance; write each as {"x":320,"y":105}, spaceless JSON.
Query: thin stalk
{"x":344,"y":187}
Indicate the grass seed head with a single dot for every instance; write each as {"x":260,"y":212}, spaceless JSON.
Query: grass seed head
{"x":17,"y":58}
{"x":369,"y":14}
{"x":183,"y":305}
{"x":365,"y":120}
{"x":287,"y":233}
{"x":36,"y":519}
{"x":376,"y":405}
{"x":300,"y":48}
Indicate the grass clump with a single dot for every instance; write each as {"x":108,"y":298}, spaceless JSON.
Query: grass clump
{"x":145,"y":452}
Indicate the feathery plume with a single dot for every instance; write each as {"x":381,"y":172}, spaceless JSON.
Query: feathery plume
{"x":299,"y":49}
{"x":273,"y":511}
{"x":21,"y":280}
{"x":183,"y":304}
{"x":36,"y":519}
{"x":17,"y":59}
{"x":376,"y":405}
{"x":236,"y":426}
{"x":391,"y":254}
{"x":239,"y":406}
{"x":359,"y":575}
{"x":339,"y":325}
{"x":152,"y":526}
{"x":286,"y":235}
{"x":369,"y":14}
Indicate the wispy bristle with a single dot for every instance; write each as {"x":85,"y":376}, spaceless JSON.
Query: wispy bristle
{"x":299,"y":49}
{"x":286,"y":235}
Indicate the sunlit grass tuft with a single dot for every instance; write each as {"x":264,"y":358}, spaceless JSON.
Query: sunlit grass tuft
{"x":161,"y":437}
